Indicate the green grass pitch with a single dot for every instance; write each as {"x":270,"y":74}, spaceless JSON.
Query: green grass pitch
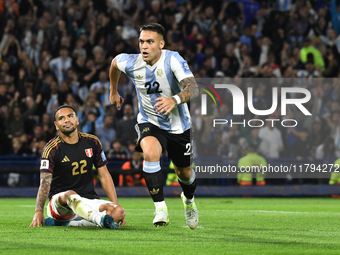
{"x":226,"y":226}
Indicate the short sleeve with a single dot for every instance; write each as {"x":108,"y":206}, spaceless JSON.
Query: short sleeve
{"x":121,"y":61}
{"x":100,"y":157}
{"x":180,"y":67}
{"x":47,"y":160}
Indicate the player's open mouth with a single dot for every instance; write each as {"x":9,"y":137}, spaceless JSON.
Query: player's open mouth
{"x":145,"y":54}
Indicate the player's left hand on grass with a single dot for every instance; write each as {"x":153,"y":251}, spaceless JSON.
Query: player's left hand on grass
{"x":38,"y":220}
{"x":164,"y":105}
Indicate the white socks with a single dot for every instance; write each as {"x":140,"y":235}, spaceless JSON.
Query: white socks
{"x":188,"y":201}
{"x":81,"y":223}
{"x":83,"y":210}
{"x":160,"y":204}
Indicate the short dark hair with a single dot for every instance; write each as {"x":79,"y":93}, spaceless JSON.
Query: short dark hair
{"x":155,"y":27}
{"x":63,"y":106}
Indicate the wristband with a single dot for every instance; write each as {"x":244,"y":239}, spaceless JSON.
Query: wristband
{"x":177,"y":99}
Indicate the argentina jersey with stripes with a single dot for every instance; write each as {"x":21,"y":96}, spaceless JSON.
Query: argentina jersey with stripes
{"x":160,"y":80}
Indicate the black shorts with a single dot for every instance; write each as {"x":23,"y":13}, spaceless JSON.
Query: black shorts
{"x":179,"y":146}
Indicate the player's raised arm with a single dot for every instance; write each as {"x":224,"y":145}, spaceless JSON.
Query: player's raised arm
{"x":190,"y":91}
{"x":44,"y":189}
{"x":115,"y":98}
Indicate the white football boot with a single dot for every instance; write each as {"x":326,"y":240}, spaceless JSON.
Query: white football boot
{"x":191,"y":213}
{"x":162,"y":217}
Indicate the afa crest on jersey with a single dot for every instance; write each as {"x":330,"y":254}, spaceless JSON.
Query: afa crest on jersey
{"x":159,"y":72}
{"x":89,"y":152}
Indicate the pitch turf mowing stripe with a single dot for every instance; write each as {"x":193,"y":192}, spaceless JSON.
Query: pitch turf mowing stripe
{"x":205,"y":210}
{"x":227,"y":226}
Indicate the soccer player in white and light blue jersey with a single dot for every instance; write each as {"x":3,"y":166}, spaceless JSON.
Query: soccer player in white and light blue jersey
{"x":102,"y":88}
{"x":61,"y":64}
{"x":164,"y":84}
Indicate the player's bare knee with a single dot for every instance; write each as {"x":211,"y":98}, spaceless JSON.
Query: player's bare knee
{"x":151,"y":155}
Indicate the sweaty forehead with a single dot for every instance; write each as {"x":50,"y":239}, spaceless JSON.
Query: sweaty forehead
{"x":147,"y":34}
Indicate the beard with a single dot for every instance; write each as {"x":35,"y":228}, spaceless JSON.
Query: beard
{"x":68,"y":131}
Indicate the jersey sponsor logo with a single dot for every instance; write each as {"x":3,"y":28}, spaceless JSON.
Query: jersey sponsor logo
{"x":65,"y":159}
{"x":89,"y":152}
{"x":185,"y":67}
{"x":103,"y":155}
{"x":45,"y":163}
{"x":139,"y":77}
{"x":159,"y":72}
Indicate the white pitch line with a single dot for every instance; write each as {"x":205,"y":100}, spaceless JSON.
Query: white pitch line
{"x":283,"y":212}
{"x":140,"y":209}
{"x":245,"y":211}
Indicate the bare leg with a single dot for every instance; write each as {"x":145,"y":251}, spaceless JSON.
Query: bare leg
{"x":184,"y":173}
{"x":187,"y":180}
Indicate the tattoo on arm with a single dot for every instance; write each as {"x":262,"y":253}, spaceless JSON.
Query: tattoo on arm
{"x":173,"y":99}
{"x":190,"y":89}
{"x":44,"y":189}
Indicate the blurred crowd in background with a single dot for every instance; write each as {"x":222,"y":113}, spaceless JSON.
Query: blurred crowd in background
{"x":59,"y":52}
